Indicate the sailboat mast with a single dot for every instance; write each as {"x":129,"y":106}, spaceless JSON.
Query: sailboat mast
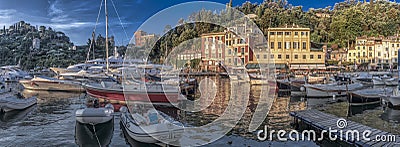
{"x":105,"y":9}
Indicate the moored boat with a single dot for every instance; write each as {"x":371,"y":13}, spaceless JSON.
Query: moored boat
{"x":51,"y":84}
{"x":391,"y":82}
{"x":368,"y":96}
{"x":95,"y":115}
{"x":160,"y":94}
{"x":16,"y":102}
{"x":378,"y":81}
{"x":156,"y":126}
{"x":393,"y":100}
{"x":329,"y":90}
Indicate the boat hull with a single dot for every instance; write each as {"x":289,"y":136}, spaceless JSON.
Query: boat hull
{"x":51,"y":86}
{"x":316,"y":93}
{"x":356,"y":99}
{"x":150,"y":134}
{"x":119,"y":96}
{"x":378,"y":82}
{"x":394,"y":101}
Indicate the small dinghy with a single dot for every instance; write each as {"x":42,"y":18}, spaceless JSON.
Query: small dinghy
{"x":158,"y":126}
{"x":16,"y":102}
{"x":95,"y":116}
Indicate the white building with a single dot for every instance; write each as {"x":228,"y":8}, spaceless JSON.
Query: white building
{"x":36,"y":43}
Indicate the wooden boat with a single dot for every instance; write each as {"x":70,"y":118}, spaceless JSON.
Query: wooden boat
{"x":95,"y":116}
{"x":16,"y":102}
{"x":51,"y":84}
{"x":166,"y":129}
{"x":328,"y":90}
{"x":159,"y":94}
{"x":368,"y":96}
{"x":97,"y":135}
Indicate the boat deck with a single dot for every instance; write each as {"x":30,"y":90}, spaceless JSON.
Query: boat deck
{"x":319,"y":121}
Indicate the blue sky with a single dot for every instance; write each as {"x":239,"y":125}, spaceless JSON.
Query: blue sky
{"x":77,"y":18}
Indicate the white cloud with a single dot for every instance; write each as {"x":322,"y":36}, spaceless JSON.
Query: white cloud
{"x":53,"y":8}
{"x":73,"y":25}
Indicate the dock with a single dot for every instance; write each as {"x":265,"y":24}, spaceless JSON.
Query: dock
{"x":319,"y":121}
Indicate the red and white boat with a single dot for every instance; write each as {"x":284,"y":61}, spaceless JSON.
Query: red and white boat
{"x":156,"y":93}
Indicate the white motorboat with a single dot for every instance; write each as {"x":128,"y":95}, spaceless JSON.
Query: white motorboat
{"x":164,"y":127}
{"x":328,"y":90}
{"x":393,"y":100}
{"x":378,"y":81}
{"x":13,"y":73}
{"x":16,"y":102}
{"x":391,"y":82}
{"x":51,"y":84}
{"x":95,"y":115}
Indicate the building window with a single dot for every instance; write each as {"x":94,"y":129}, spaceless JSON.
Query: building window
{"x":229,"y":51}
{"x":265,"y":56}
{"x":287,"y":45}
{"x":370,"y":54}
{"x":364,"y":54}
{"x":294,"y":45}
{"x":279,"y":33}
{"x":287,"y":56}
{"x":363,"y":47}
{"x":242,"y":51}
{"x":370,"y":48}
{"x":272,"y":45}
{"x":304,"y":45}
{"x":229,"y":60}
{"x":236,"y":50}
{"x":304,"y":56}
{"x":272,"y":56}
{"x":311,"y":56}
{"x":379,"y":54}
{"x":358,"y":48}
{"x":319,"y":57}
{"x":296,"y":56}
{"x":279,"y":45}
{"x":271,"y":33}
{"x":358,"y":54}
{"x":287,"y":33}
{"x":279,"y":56}
{"x":387,"y":49}
{"x":296,"y":33}
{"x":349,"y":54}
{"x":258,"y":56}
{"x":354,"y":54}
{"x":392,"y":45}
{"x":398,"y":45}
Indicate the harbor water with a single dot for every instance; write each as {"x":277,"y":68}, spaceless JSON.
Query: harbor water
{"x":51,"y":122}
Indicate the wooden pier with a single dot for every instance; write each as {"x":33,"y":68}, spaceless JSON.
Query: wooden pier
{"x":319,"y":121}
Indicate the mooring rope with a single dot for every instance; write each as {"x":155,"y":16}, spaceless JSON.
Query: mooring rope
{"x":95,"y":134}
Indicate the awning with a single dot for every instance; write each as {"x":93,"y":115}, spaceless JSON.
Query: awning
{"x":308,"y":66}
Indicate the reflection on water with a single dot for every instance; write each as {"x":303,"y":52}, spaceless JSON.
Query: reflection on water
{"x":51,"y":122}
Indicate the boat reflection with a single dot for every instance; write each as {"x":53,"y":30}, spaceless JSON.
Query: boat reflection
{"x":359,"y":109}
{"x":94,"y":135}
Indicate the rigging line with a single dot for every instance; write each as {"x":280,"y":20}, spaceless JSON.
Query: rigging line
{"x":94,"y":30}
{"x":123,"y":28}
{"x":95,"y":134}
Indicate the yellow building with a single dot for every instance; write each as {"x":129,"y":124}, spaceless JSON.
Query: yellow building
{"x":291,"y":46}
